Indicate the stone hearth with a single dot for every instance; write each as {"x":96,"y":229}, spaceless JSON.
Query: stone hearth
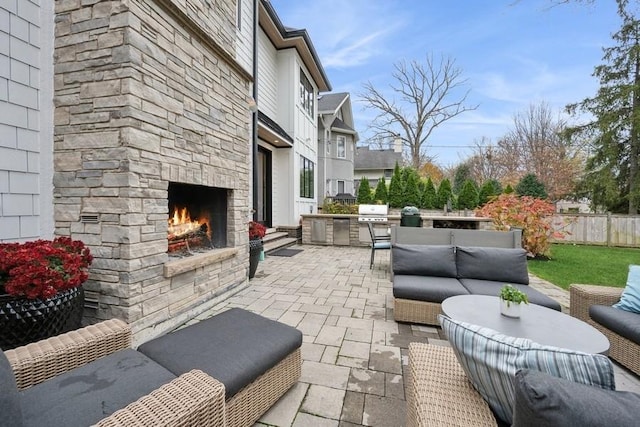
{"x":146,"y":94}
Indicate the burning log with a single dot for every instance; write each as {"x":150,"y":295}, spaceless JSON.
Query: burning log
{"x":191,"y":239}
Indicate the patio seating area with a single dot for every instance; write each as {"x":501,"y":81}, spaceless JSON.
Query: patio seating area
{"x":355,"y":356}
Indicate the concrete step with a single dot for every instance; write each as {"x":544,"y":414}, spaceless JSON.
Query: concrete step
{"x":276,"y":244}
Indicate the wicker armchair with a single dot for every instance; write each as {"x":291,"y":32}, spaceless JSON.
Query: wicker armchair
{"x":191,"y":399}
{"x":439,"y":393}
{"x":622,"y":350}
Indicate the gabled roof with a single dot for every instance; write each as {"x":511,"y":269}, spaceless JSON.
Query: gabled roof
{"x":329,"y":103}
{"x":285,"y":37}
{"x":339,"y":125}
{"x":376,"y":159}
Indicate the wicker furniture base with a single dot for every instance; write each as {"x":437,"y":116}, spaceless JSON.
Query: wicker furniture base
{"x":439,"y":393}
{"x":622,"y":350}
{"x":192,"y":399}
{"x":248,"y":405}
{"x":405,"y":310}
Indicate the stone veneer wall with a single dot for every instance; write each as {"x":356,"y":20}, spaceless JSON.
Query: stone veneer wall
{"x":147,"y":92}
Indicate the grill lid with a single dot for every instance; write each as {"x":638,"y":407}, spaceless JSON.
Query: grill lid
{"x":372,"y":213}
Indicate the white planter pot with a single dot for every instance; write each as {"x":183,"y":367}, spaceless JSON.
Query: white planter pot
{"x":510,"y":309}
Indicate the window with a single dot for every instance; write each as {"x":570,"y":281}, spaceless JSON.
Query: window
{"x":306,"y":94}
{"x":306,"y":177}
{"x":388,"y":173}
{"x":340,"y":187}
{"x":342,"y":147}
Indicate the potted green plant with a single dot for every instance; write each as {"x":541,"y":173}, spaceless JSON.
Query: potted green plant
{"x":41,"y":289}
{"x":510,"y":301}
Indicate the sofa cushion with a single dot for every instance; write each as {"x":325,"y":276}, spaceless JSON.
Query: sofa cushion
{"x":87,"y":394}
{"x":491,"y":359}
{"x":10,"y":410}
{"x":542,"y":400}
{"x":424,"y":260}
{"x":426,"y":288}
{"x":234,"y":347}
{"x":492,"y":288}
{"x":498,"y":264}
{"x":622,"y":322}
{"x":630,"y":298}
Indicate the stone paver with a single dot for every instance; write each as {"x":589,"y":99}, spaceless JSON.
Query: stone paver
{"x":354,"y":353}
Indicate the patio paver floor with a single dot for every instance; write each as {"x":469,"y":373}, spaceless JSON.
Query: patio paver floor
{"x":354,"y":353}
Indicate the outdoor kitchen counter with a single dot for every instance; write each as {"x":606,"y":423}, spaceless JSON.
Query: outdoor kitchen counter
{"x":319,"y":229}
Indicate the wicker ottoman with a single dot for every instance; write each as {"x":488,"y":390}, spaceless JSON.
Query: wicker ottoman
{"x":257,"y":359}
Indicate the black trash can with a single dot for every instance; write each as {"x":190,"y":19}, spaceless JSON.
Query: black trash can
{"x":410,"y":217}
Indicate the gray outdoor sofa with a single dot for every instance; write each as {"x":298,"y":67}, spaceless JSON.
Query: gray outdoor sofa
{"x":224,"y":371}
{"x":426,"y":275}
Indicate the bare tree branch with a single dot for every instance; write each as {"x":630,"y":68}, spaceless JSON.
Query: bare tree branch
{"x":420,"y":101}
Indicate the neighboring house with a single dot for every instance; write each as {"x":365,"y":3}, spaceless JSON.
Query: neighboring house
{"x":290,"y":76}
{"x":336,"y":145}
{"x":374,"y":164}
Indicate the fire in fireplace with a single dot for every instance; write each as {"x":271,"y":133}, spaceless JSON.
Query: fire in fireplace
{"x":197,"y":218}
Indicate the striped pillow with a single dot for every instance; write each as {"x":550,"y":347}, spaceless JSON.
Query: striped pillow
{"x":491,"y":360}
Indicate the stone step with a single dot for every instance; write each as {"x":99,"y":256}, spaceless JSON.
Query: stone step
{"x":274,"y":235}
{"x":279,"y":243}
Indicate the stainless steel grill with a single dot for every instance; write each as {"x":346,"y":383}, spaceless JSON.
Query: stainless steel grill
{"x":373,"y":213}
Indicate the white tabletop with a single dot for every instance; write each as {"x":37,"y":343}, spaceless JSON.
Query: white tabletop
{"x":537,"y":323}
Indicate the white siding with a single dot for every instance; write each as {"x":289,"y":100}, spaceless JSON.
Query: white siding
{"x":244,"y":37}
{"x":267,"y":76}
{"x":26,"y":114}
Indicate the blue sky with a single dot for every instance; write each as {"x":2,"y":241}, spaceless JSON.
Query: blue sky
{"x":512,"y":53}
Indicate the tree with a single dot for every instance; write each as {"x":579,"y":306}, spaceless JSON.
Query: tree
{"x":429,"y":196}
{"x":462,"y":174}
{"x":431,"y":170}
{"x":489,"y":189}
{"x":509,"y":189}
{"x":381,"y":194}
{"x":612,"y":173}
{"x":444,"y":194}
{"x":364,"y":192}
{"x":530,"y":186}
{"x":395,"y":188}
{"x":468,"y":196}
{"x":428,"y":94}
{"x":411,"y":195}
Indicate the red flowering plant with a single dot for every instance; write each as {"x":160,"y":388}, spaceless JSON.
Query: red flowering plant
{"x":42,"y":268}
{"x":256,"y":230}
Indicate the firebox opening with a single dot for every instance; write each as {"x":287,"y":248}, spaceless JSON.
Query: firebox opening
{"x":197,"y":217}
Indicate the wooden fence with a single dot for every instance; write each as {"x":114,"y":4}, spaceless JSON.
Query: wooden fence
{"x":599,"y":229}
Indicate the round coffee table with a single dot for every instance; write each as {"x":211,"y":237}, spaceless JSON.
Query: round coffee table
{"x":539,"y":324}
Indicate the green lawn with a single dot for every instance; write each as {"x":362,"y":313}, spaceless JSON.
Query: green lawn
{"x":595,"y":265}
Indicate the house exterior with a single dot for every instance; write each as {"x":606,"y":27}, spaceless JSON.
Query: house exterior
{"x":373,"y":164}
{"x":137,"y":104}
{"x":290,"y":76}
{"x":336,"y":146}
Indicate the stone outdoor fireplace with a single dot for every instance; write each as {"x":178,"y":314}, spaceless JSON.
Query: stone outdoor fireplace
{"x":197,"y":218}
{"x":151,"y":115}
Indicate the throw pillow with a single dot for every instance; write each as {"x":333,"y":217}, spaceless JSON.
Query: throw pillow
{"x":424,"y":260}
{"x":491,"y":359}
{"x":497,"y":264}
{"x":543,"y":400}
{"x":630,"y":299}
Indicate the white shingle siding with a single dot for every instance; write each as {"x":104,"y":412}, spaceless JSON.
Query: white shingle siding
{"x":26,"y":114}
{"x":267,"y":76}
{"x":244,"y":37}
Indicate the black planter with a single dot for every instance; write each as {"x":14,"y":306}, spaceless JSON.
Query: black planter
{"x":23,"y":321}
{"x":255,"y":249}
